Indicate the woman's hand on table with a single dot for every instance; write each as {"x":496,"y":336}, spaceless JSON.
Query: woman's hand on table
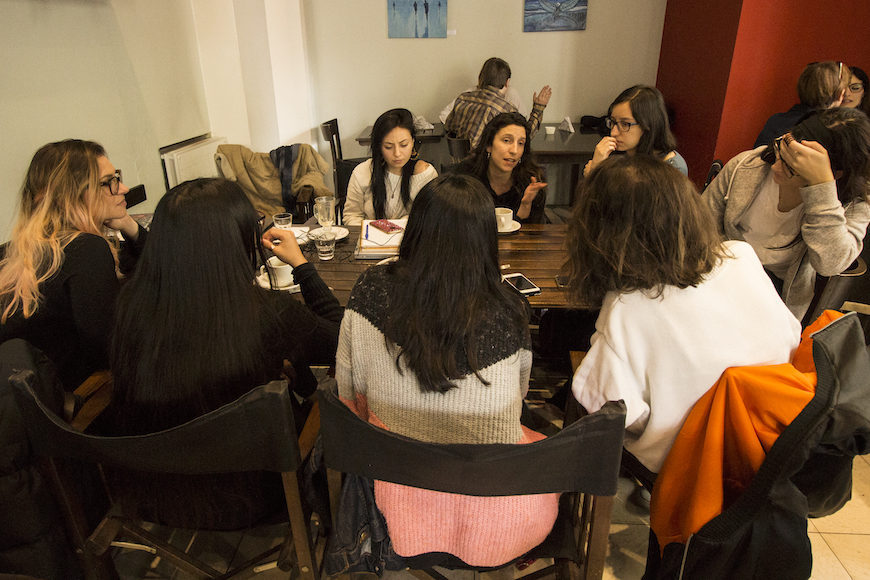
{"x":808,"y":159}
{"x":284,"y":245}
{"x":605,"y":147}
{"x":529,"y":196}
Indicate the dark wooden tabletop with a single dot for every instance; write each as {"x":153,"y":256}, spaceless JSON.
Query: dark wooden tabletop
{"x":433,"y":135}
{"x":536,"y":250}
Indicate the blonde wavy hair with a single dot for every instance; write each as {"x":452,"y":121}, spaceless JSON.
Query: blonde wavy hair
{"x":59,"y":200}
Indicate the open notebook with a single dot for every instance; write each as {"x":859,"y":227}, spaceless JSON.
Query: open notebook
{"x":375,"y":245}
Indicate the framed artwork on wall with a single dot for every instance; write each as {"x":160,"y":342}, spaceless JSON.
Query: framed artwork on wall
{"x":417,"y":18}
{"x":549,"y":15}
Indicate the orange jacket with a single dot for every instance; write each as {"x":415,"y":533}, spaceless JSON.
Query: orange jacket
{"x":726,"y":437}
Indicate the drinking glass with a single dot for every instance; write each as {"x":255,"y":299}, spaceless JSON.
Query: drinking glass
{"x":283,"y":221}
{"x":324,"y":211}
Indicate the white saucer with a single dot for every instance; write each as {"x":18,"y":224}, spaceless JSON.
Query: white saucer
{"x":515,"y":225}
{"x":340,"y":232}
{"x":263,"y":282}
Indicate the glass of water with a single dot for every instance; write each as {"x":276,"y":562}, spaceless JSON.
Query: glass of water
{"x":324,"y":211}
{"x":283,"y":221}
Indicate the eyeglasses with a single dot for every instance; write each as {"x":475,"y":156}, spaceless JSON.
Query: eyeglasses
{"x":777,"y":143}
{"x":113,"y":183}
{"x":856,"y":87}
{"x":624,"y":126}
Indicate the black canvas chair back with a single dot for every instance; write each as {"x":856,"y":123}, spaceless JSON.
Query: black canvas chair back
{"x":254,"y":433}
{"x":807,"y":472}
{"x":584,"y":457}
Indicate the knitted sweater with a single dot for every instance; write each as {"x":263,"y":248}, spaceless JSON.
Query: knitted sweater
{"x":481,"y":531}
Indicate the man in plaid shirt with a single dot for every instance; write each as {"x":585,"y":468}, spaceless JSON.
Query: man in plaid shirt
{"x":474,"y":109}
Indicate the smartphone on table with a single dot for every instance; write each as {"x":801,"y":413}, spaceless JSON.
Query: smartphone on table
{"x":522,"y":284}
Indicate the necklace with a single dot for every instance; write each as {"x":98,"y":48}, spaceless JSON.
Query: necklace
{"x":393,"y":182}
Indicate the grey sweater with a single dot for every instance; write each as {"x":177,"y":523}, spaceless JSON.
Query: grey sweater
{"x":831,"y":236}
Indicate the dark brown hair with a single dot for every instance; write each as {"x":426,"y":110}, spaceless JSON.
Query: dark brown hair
{"x":821,"y":83}
{"x":638,"y":224}
{"x":494,"y":73}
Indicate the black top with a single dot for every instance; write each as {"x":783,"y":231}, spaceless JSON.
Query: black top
{"x":511,"y":198}
{"x":73,"y":320}
{"x":780,"y":124}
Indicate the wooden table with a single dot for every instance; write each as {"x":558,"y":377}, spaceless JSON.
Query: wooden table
{"x":536,"y":250}
{"x":433,"y":135}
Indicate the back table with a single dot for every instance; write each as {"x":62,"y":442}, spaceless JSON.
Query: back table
{"x":536,"y":250}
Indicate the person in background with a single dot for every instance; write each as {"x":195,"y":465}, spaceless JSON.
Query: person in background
{"x":856,"y":92}
{"x":59,"y":274}
{"x":511,"y":95}
{"x":638,"y":123}
{"x":503,"y":162}
{"x":385,"y":186}
{"x":193,"y":333}
{"x":434,"y":347}
{"x":800,"y":202}
{"x":472,"y":110}
{"x":678,"y":306}
{"x":821,"y":85}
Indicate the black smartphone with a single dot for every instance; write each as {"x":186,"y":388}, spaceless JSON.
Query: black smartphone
{"x":522,"y":284}
{"x":135,"y":196}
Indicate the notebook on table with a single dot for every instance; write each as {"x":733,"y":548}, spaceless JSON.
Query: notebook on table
{"x":374,"y":244}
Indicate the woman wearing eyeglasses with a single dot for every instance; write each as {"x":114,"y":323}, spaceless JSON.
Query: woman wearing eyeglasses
{"x":800,"y":202}
{"x":856,"y":93}
{"x":638,"y":123}
{"x":59,"y":273}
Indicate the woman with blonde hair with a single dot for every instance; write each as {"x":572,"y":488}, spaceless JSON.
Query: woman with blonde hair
{"x":59,"y":272}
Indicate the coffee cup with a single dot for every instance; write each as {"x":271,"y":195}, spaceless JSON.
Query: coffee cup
{"x":550,"y":129}
{"x":282,"y":273}
{"x":504,"y":216}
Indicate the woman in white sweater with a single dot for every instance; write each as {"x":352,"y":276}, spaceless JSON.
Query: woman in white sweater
{"x":386,"y":185}
{"x":678,"y":306}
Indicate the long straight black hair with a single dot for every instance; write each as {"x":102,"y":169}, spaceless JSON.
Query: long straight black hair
{"x":188,"y":328}
{"x":448,"y":282}
{"x":384,"y":124}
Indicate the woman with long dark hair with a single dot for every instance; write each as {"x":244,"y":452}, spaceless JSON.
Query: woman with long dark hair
{"x":801,"y":201}
{"x":386,"y":185}
{"x":503,"y":162}
{"x":59,"y":274}
{"x":435,"y":347}
{"x":638,"y":123}
{"x":194,"y":332}
{"x":678,"y":306}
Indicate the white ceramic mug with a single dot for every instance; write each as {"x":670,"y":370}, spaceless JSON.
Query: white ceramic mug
{"x":504,"y":216}
{"x":282,"y":273}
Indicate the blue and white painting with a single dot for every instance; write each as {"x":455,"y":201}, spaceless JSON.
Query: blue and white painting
{"x":417,"y":18}
{"x":547,"y":15}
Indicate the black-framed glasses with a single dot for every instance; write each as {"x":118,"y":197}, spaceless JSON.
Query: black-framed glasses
{"x":624,"y":126}
{"x":777,"y":143}
{"x":856,"y":87}
{"x":113,"y":182}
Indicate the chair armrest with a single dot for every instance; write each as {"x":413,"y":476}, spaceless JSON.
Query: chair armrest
{"x":310,"y":431}
{"x":96,"y":394}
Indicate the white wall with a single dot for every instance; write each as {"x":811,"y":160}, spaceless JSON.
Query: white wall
{"x":359,"y":73}
{"x":124,"y":73}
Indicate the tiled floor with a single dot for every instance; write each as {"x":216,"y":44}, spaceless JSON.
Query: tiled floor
{"x":841,"y":543}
